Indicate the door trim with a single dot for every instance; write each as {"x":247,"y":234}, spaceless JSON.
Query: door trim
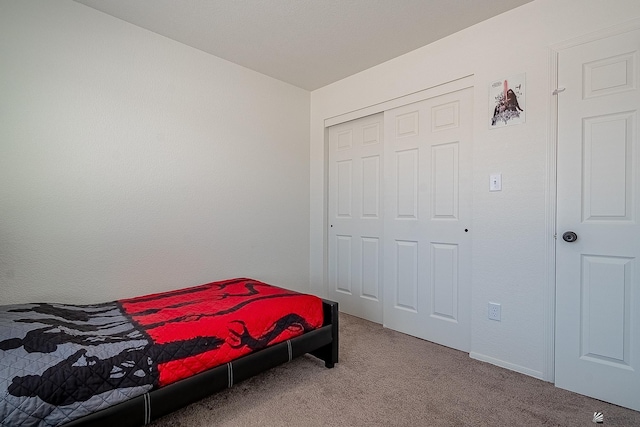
{"x":431,"y":92}
{"x":552,"y":182}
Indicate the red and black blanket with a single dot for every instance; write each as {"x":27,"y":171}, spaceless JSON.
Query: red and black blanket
{"x":60,"y":362}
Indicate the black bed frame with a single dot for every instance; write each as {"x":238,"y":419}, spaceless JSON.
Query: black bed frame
{"x":141,"y":410}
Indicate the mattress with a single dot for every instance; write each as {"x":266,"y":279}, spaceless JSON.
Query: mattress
{"x":59,"y":362}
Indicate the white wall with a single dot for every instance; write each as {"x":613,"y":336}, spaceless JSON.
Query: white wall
{"x":509,"y":229}
{"x":130,"y":163}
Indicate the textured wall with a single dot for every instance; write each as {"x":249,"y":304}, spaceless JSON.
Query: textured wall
{"x":508,"y":229}
{"x":130,"y":163}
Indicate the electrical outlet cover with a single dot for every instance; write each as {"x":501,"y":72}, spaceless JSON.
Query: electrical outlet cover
{"x":494,"y":311}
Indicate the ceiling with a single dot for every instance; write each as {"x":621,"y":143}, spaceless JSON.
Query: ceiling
{"x":307,"y":43}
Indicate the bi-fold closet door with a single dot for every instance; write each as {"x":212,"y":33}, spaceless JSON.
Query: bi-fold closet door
{"x":355,"y":218}
{"x":399,"y":217}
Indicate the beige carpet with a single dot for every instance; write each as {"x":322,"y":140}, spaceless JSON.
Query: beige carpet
{"x":386,"y":378}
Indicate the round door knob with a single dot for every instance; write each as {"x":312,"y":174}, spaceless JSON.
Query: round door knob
{"x":569,"y":236}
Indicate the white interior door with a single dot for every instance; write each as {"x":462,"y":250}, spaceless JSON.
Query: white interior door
{"x":427,"y":265}
{"x":598,"y":275}
{"x":355,"y":216}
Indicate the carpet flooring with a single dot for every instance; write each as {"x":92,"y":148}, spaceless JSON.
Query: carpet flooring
{"x":386,"y":378}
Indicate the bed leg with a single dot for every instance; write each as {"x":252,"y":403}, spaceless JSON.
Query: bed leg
{"x":329,"y":353}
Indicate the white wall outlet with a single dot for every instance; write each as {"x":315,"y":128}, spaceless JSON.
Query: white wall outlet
{"x":495,"y":182}
{"x":494,"y":311}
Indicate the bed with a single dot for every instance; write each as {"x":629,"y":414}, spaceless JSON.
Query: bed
{"x":131,"y":361}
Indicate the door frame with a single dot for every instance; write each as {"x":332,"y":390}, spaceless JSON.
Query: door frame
{"x":460,"y":83}
{"x":457,"y":84}
{"x":552,"y":181}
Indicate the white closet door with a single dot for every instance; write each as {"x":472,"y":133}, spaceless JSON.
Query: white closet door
{"x":598,"y":275}
{"x":355,"y":216}
{"x":427,"y":260}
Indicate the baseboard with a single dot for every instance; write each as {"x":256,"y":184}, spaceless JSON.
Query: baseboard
{"x":512,"y":367}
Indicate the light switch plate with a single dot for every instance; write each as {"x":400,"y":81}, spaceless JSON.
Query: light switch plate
{"x":495,"y":182}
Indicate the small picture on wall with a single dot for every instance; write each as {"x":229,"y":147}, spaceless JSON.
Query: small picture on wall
{"x":507,"y":101}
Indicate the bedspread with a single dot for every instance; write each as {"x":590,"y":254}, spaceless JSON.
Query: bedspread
{"x":60,"y":362}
